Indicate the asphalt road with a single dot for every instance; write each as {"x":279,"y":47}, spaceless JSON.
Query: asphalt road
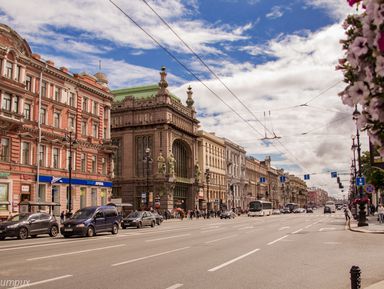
{"x":296,"y":251}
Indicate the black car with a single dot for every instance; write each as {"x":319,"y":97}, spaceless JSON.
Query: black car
{"x":309,"y":210}
{"x":91,"y":220}
{"x":139,"y":219}
{"x":159,"y":218}
{"x":327,"y":210}
{"x":29,"y":224}
{"x":227,"y":215}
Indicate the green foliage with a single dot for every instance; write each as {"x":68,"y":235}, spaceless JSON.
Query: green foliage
{"x":373,"y":175}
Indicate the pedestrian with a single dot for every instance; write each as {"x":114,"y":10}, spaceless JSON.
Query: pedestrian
{"x":373,"y":209}
{"x":62,"y":216}
{"x":346,"y":213}
{"x":380,"y":211}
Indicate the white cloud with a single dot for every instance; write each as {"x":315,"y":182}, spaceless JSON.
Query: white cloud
{"x":276,"y":12}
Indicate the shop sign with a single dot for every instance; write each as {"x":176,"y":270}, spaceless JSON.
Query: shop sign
{"x":25,"y":188}
{"x":4,"y":175}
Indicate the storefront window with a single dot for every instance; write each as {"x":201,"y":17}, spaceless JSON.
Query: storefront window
{"x":83,"y":197}
{"x":4,"y":196}
{"x":103,"y":196}
{"x":94,"y":197}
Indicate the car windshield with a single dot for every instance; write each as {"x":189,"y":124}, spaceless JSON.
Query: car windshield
{"x":83,"y":214}
{"x":19,"y":217}
{"x":135,"y":214}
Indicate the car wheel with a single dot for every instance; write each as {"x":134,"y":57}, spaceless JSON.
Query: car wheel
{"x":54,"y":231}
{"x":23,"y":233}
{"x":90,"y":231}
{"x":115,"y":229}
{"x":139,"y":225}
{"x":152,"y":224}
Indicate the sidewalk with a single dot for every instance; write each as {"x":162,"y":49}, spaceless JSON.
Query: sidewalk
{"x":373,"y":227}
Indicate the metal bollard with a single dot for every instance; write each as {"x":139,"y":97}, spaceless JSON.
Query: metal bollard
{"x":355,"y":277}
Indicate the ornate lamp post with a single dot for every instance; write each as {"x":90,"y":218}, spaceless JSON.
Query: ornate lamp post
{"x":362,"y":215}
{"x":207,"y":175}
{"x":353,"y":167}
{"x":147,"y":160}
{"x":70,"y":140}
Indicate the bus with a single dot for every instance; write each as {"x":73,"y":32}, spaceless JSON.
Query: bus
{"x":291,"y":206}
{"x":331,"y":205}
{"x":259,"y":208}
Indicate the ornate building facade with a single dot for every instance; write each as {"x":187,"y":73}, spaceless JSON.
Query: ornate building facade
{"x":157,"y":139}
{"x":54,"y":130}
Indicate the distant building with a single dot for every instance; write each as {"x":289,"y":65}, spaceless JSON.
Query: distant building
{"x":39,"y":106}
{"x":157,"y":139}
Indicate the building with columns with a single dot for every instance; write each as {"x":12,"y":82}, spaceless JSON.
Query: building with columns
{"x":212,"y":160}
{"x":157,"y":142}
{"x":54,"y":130}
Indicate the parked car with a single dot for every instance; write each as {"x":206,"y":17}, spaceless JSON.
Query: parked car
{"x":309,"y":210}
{"x":139,"y":219}
{"x":327,"y":210}
{"x":29,"y":224}
{"x":276,"y":212}
{"x":227,"y":215}
{"x":90,"y":221}
{"x":159,"y":218}
{"x":299,"y":210}
{"x":285,"y":210}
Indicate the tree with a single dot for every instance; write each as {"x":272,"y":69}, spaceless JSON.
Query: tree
{"x":373,"y":175}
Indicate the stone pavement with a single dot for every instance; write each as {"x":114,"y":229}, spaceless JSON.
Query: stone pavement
{"x":373,"y":227}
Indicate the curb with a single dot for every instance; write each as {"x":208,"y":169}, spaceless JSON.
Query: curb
{"x":353,"y":229}
{"x":379,"y":285}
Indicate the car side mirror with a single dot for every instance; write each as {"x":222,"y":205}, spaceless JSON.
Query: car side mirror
{"x":32,"y":221}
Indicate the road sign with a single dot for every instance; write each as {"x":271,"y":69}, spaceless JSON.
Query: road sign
{"x":282,"y":179}
{"x":360,"y":181}
{"x":306,"y":177}
{"x":369,"y":188}
{"x":333,"y":174}
{"x":262,"y":180}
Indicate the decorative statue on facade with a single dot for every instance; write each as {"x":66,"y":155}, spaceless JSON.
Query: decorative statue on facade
{"x":171,"y":164}
{"x":197,"y":173}
{"x":161,"y":168}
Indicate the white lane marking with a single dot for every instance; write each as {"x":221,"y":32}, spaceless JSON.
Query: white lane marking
{"x":283,"y":228}
{"x":165,"y":238}
{"x":74,"y":252}
{"x":244,"y":228}
{"x":324,"y":229}
{"x":42,"y":282}
{"x":45,"y":244}
{"x":150,"y":256}
{"x":306,"y":227}
{"x":332,"y":243}
{"x":175,"y":286}
{"x":232,"y":261}
{"x":297,"y":231}
{"x":216,"y":240}
{"x":213,"y":230}
{"x":277,"y":240}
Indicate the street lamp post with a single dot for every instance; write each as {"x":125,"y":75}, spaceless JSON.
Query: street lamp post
{"x":362,"y":215}
{"x":207,"y":180}
{"x":147,"y":160}
{"x":354,"y":168}
{"x":72,"y":142}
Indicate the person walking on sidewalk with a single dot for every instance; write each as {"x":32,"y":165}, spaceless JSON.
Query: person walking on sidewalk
{"x":380,"y":212}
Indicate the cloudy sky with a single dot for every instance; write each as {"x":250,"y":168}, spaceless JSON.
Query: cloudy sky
{"x":258,"y":68}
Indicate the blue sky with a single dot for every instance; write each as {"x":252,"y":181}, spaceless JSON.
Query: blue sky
{"x":277,"y":58}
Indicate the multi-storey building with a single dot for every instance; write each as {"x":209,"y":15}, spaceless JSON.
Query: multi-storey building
{"x":156,"y":161}
{"x":297,"y":190}
{"x":212,"y":158}
{"x":54,"y":130}
{"x":235,"y":161}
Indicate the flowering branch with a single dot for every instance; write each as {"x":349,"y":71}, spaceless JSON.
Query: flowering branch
{"x":363,"y":67}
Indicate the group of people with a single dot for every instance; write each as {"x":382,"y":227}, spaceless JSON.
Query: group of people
{"x":352,"y":211}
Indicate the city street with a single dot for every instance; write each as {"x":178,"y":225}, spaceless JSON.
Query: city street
{"x":281,"y":251}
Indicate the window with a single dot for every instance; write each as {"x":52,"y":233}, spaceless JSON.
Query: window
{"x":71,"y":159}
{"x":4,"y":194}
{"x":15,"y":107}
{"x":94,"y":164}
{"x":6,"y":102}
{"x":57,"y":95}
{"x":83,"y":197}
{"x":85,"y":104}
{"x":83,"y":162}
{"x":25,"y":153}
{"x":55,"y":158}
{"x":71,"y":99}
{"x":44,"y":89}
{"x":56,"y":119}
{"x":103,"y":196}
{"x":94,"y":108}
{"x":103,"y":166}
{"x":42,"y":156}
{"x":28,"y":83}
{"x":142,"y":143}
{"x":93,"y":197}
{"x":41,"y":193}
{"x":4,"y":150}
{"x":43,"y":115}
{"x":84,"y":127}
{"x":71,"y":122}
{"x":18,"y":73}
{"x":27,"y":111}
{"x":9,"y":70}
{"x":95,"y":129}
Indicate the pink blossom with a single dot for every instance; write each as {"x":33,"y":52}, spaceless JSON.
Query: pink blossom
{"x":380,"y":66}
{"x":378,"y":15}
{"x":359,"y":46}
{"x":376,"y":110}
{"x":359,"y":92}
{"x":352,"y":2}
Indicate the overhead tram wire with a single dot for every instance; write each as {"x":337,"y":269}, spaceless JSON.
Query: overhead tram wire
{"x":218,"y":78}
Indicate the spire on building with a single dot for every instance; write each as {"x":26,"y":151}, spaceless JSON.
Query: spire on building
{"x":163,"y":84}
{"x":190,"y":101}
